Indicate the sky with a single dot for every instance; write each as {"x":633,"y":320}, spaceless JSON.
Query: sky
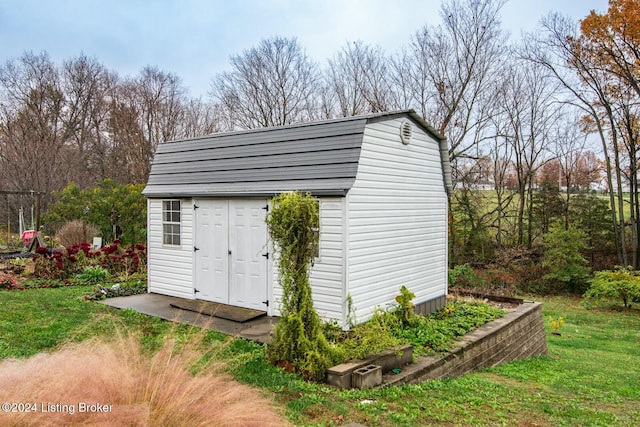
{"x":195,"y":38}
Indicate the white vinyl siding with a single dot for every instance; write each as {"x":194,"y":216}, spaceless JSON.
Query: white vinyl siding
{"x":397,"y":223}
{"x":170,"y":267}
{"x":326,"y":276}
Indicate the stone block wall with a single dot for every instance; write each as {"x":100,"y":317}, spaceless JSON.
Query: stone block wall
{"x":517,"y":335}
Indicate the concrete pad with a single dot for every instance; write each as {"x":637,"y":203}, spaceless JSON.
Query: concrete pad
{"x":157,"y":305}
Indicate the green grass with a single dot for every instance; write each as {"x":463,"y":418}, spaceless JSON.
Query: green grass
{"x":39,"y":319}
{"x":590,"y":378}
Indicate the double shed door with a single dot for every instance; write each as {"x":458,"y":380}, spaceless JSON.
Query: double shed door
{"x":231,"y":247}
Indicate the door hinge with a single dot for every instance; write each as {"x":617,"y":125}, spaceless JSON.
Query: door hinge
{"x":195,"y":291}
{"x":195,"y":248}
{"x":266,"y":255}
{"x":195,"y":206}
{"x":266,"y":303}
{"x":266,"y":208}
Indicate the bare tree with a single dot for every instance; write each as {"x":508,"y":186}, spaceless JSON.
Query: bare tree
{"x":201,"y":118}
{"x":449,"y":71}
{"x":272,"y":84}
{"x":145,"y":111}
{"x":32,"y":151}
{"x":567,"y":146}
{"x":358,"y":75}
{"x":531,"y":111}
{"x":558,"y":48}
{"x":87,"y":86}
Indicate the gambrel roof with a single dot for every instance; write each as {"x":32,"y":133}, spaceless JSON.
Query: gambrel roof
{"x":318,"y":157}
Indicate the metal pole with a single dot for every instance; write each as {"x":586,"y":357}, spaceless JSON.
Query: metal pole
{"x":37,"y":229}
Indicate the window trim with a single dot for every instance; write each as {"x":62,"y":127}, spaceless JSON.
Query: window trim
{"x":173,"y":235}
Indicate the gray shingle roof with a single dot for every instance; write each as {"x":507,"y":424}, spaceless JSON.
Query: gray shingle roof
{"x":319,"y":157}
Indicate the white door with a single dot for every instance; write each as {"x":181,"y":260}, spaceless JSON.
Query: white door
{"x":231,"y":244}
{"x":248,"y":261}
{"x":212,"y":250}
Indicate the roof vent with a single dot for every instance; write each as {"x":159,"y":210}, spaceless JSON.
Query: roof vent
{"x":405,"y":132}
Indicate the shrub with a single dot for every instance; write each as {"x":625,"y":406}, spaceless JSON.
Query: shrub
{"x":74,"y":232}
{"x":463,"y":276}
{"x":93,"y":274}
{"x":111,"y":206}
{"x":8,"y":281}
{"x":405,"y":309}
{"x":298,"y":339}
{"x":622,"y":283}
{"x":497,"y":281}
{"x":493,"y":279}
{"x":567,"y":266}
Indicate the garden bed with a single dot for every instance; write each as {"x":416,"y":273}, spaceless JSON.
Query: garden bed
{"x":519,"y":334}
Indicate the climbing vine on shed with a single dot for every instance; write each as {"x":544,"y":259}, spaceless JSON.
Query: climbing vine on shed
{"x":299,"y":342}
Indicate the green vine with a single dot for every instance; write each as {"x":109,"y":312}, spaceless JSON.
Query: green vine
{"x":298,"y":341}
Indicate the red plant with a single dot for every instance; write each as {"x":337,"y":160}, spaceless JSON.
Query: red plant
{"x":8,"y":281}
{"x":117,"y":260}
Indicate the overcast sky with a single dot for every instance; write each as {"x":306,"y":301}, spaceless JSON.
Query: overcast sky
{"x":194,"y":38}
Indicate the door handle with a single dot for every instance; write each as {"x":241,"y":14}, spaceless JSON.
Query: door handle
{"x":229,"y":251}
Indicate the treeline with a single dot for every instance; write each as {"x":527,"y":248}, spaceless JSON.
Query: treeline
{"x":509,"y":109}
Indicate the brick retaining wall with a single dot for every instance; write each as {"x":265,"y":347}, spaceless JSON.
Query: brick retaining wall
{"x":517,"y":335}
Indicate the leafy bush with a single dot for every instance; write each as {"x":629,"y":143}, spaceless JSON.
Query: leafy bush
{"x":622,"y":283}
{"x":405,"y":305}
{"x":19,"y":264}
{"x":463,"y":276}
{"x":563,"y":258}
{"x":93,"y":274}
{"x":110,"y":206}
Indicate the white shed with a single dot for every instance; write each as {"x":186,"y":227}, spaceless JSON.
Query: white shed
{"x":382,"y":181}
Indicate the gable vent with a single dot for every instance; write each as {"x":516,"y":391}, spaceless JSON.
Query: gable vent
{"x":405,"y":132}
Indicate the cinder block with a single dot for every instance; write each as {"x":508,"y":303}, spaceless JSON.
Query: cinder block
{"x":340,"y":375}
{"x":367,"y":377}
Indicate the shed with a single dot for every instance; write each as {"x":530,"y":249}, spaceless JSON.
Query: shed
{"x":382,"y":181}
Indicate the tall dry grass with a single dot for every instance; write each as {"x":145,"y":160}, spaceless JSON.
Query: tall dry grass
{"x":158,"y":389}
{"x":76,"y":231}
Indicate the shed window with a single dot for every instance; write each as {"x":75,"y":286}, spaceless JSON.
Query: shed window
{"x":171,"y":222}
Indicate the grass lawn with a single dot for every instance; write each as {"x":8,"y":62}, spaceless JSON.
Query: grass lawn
{"x":590,"y":378}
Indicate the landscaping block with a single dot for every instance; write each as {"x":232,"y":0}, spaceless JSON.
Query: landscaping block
{"x":340,"y":375}
{"x":393,"y":358}
{"x":367,"y":377}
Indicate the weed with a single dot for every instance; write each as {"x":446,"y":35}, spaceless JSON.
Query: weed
{"x":556,"y":324}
